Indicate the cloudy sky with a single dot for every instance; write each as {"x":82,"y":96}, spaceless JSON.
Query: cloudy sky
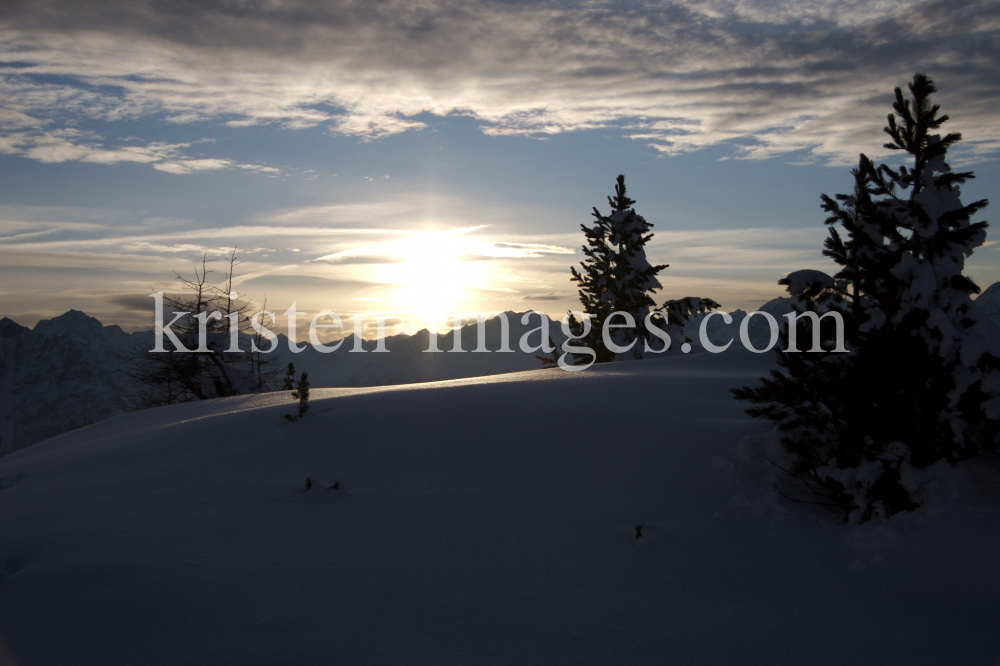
{"x":430,"y":156}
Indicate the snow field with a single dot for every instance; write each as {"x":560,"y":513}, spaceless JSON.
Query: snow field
{"x":485,"y":520}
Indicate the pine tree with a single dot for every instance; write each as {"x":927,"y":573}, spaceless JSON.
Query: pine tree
{"x":616,"y":277}
{"x":288,"y":383}
{"x":301,"y":393}
{"x":921,"y":383}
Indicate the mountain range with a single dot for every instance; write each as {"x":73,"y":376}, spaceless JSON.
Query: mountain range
{"x":63,"y":373}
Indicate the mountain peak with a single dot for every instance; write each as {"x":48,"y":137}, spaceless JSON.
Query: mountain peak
{"x":991,"y":290}
{"x":73,"y":322}
{"x":11,"y":330}
{"x":989,"y":302}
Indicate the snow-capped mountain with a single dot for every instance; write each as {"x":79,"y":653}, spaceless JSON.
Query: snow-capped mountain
{"x":989,"y":302}
{"x":58,"y":376}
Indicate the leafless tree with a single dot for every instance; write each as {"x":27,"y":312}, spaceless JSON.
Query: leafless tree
{"x":199,"y":372}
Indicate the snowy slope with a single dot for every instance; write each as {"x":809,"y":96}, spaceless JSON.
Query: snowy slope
{"x":486,"y":520}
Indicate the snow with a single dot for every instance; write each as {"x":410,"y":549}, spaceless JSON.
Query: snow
{"x":988,"y":303}
{"x":799,"y":281}
{"x":483,"y":520}
{"x":758,"y":329}
{"x":58,"y":376}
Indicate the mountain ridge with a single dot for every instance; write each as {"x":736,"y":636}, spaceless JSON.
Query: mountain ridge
{"x":61,"y":375}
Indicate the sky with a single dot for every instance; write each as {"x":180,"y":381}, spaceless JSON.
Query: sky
{"x":418,"y":158}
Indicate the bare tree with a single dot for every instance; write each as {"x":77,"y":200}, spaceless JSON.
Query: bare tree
{"x":261,"y":366}
{"x":215,"y":358}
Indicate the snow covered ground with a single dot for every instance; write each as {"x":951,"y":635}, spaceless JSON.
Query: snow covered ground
{"x":488,"y":520}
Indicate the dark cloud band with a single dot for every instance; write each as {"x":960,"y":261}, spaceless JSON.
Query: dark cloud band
{"x":775,"y":78}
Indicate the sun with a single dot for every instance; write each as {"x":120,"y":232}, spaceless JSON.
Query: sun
{"x":428,"y":275}
{"x":434,"y":274}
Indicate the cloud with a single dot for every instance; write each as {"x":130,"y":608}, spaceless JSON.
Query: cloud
{"x":342,"y":259}
{"x":769,"y":78}
{"x":138,"y":302}
{"x":534,"y":249}
{"x":462,"y":244}
{"x":40,"y":138}
{"x":391,"y":321}
{"x":190,"y":166}
{"x":551,"y":296}
{"x":71,"y":145}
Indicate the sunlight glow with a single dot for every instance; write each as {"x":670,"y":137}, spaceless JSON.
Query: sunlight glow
{"x":435,"y":274}
{"x":433,"y":270}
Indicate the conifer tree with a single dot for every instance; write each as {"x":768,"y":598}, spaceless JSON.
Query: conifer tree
{"x":301,"y":393}
{"x":921,"y":381}
{"x":288,"y":383}
{"x":615,"y":275}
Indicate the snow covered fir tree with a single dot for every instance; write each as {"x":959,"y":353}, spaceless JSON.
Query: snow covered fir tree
{"x":616,"y":276}
{"x":919,"y":385}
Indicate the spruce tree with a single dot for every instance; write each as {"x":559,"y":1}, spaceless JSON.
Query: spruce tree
{"x":615,"y":275}
{"x":921,"y":381}
{"x":288,"y":383}
{"x":301,"y":393}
